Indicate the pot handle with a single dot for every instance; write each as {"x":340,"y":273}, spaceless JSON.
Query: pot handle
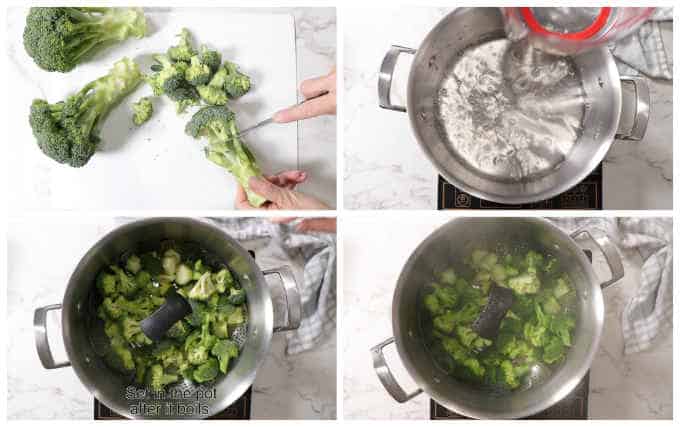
{"x":385,"y":375}
{"x":42,"y":343}
{"x":642,"y":103}
{"x":292,"y":296}
{"x":386,"y":74}
{"x":611,"y":255}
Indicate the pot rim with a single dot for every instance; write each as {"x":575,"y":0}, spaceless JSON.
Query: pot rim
{"x":552,"y":399}
{"x":243,"y":385}
{"x":608,"y":140}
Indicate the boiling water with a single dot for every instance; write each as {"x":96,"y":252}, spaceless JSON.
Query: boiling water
{"x":510,"y":112}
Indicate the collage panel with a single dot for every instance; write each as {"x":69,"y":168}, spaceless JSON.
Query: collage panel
{"x":487,"y":108}
{"x":507,"y":317}
{"x":173,"y":318}
{"x":172,"y":108}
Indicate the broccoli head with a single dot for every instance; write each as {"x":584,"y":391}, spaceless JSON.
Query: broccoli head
{"x":168,"y":78}
{"x":68,"y":131}
{"x":59,"y":38}
{"x":142,"y":112}
{"x":225,"y":148}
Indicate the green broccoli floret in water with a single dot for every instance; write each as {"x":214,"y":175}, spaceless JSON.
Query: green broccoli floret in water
{"x":218,"y":126}
{"x":142,"y":111}
{"x":68,"y":131}
{"x":224,"y":350}
{"x":60,"y":38}
{"x":537,"y":329}
{"x":158,"y":379}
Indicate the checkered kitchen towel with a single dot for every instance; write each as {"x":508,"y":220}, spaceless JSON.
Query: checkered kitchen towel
{"x":644,"y":52}
{"x":649,"y":313}
{"x":317,"y":254}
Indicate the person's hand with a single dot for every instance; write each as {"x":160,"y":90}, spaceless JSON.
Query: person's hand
{"x":279,"y":190}
{"x":322,"y":105}
{"x":306,"y":225}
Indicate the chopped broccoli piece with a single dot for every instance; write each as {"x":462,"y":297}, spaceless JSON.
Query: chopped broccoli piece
{"x":133,"y":264}
{"x":224,"y":350}
{"x":211,"y":58}
{"x":236,"y":83}
{"x":207,"y":371}
{"x":237,"y":296}
{"x":142,"y":111}
{"x":212,"y":95}
{"x":184,"y":275}
{"x":203,"y":288}
{"x":184,"y":49}
{"x":158,"y":379}
{"x":198,"y":73}
{"x":60,"y":38}
{"x":525,"y":283}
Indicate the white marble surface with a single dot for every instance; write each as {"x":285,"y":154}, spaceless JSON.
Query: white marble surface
{"x":636,"y":386}
{"x":300,"y":42}
{"x":287,"y":387}
{"x":385,"y":168}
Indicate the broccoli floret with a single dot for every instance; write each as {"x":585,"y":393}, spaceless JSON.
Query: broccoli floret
{"x":184,"y":275}
{"x":447,"y":296}
{"x":168,"y":78}
{"x":553,"y":351}
{"x":448,"y":277}
{"x":159,"y":379}
{"x":211,"y":58}
{"x":133,"y":333}
{"x":562,"y":287}
{"x":170,"y":261}
{"x":236,"y":84}
{"x":68,"y":131}
{"x":237,"y":296}
{"x":203,"y":288}
{"x":198,"y":73}
{"x":59,"y":38}
{"x":551,"y":306}
{"x":470,"y":339}
{"x":142,"y":111}
{"x":525,"y":283}
{"x":120,"y":356}
{"x":223,"y":280}
{"x":207,"y":371}
{"x":184,"y":49}
{"x":133,"y":264}
{"x":225,"y":148}
{"x":432,"y":305}
{"x":109,"y":309}
{"x":126,"y":284}
{"x":212,"y":95}
{"x":107,"y":284}
{"x":509,"y":376}
{"x":236,"y":318}
{"x":179,"y":330}
{"x":224,"y":350}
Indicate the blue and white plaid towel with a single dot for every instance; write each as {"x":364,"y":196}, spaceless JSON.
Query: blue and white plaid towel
{"x":649,"y":312}
{"x":318,"y":289}
{"x":644,"y":52}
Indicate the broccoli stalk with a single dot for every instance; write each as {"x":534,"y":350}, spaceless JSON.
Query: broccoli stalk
{"x":225,"y":148}
{"x":59,"y":38}
{"x":68,"y":131}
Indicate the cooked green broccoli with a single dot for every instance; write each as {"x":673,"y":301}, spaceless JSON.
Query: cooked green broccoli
{"x":142,"y":111}
{"x":537,"y":328}
{"x":184,"y":49}
{"x":217,"y":124}
{"x":196,"y":348}
{"x":158,"y":378}
{"x":68,"y":131}
{"x":224,"y":350}
{"x":59,"y":38}
{"x":207,"y":371}
{"x":203,"y":288}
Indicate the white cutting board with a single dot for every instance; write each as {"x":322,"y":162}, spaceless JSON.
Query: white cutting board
{"x":155,"y":166}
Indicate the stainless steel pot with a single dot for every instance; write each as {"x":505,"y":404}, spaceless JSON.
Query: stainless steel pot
{"x":454,"y":241}
{"x":77,"y":317}
{"x":468,"y":27}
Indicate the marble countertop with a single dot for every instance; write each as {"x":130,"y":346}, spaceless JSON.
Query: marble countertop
{"x":302,"y":386}
{"x":386,"y":169}
{"x":311,"y":146}
{"x":637,"y":386}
